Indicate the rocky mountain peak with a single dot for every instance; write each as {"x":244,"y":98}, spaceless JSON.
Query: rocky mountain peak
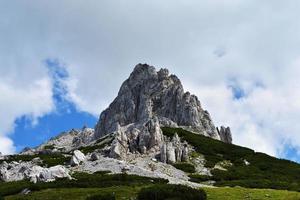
{"x":147,"y":100}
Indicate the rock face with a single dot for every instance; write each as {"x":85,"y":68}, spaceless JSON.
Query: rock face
{"x":16,"y":171}
{"x":147,"y":94}
{"x":225,"y":134}
{"x":136,"y":138}
{"x":174,"y":151}
{"x":77,"y":158}
{"x":64,"y":142}
{"x":147,"y":101}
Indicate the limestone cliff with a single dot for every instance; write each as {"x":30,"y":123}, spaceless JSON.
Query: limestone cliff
{"x":148,"y":100}
{"x":147,"y":94}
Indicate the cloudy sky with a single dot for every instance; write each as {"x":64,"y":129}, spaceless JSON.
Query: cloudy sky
{"x":62,"y":62}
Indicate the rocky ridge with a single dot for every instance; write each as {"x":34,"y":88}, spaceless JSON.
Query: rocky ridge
{"x":64,"y":142}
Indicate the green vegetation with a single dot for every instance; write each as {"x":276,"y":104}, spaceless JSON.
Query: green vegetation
{"x":263,"y":171}
{"x":100,"y":144}
{"x":48,"y":160}
{"x":49,"y":147}
{"x":186,"y":167}
{"x":121,"y":192}
{"x":239,"y":193}
{"x":178,"y":192}
{"x":198,"y":178}
{"x":131,"y":192}
{"x":260,"y":171}
{"x":103,"y":196}
{"x":82,"y":180}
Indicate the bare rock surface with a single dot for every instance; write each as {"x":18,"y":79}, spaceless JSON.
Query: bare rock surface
{"x":147,"y":101}
{"x":16,"y":171}
{"x":143,"y":165}
{"x":137,"y":138}
{"x":77,"y":158}
{"x":225,"y":134}
{"x":147,"y":94}
{"x":64,"y":142}
{"x":174,"y":150}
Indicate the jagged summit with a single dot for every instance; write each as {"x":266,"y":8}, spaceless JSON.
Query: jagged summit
{"x":148,"y":93}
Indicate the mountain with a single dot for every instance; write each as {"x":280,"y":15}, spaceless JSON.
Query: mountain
{"x":147,"y":101}
{"x":148,"y":94}
{"x":151,"y":134}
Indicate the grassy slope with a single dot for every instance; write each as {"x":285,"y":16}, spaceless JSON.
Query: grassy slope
{"x":125,"y":192}
{"x":264,"y":171}
{"x":122,"y":192}
{"x":249,"y":194}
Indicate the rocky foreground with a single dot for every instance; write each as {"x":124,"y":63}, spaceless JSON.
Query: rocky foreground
{"x":128,"y":137}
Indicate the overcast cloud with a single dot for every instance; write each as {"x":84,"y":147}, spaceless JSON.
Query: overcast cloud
{"x":213,"y":46}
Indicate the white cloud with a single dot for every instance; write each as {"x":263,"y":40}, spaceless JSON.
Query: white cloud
{"x":6,"y":145}
{"x":256,"y":43}
{"x":32,"y":100}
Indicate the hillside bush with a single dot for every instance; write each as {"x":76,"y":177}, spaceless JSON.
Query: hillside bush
{"x":104,"y":196}
{"x":49,"y":160}
{"x":197,"y":178}
{"x":262,"y":170}
{"x":186,"y":167}
{"x":82,"y":180}
{"x":175,"y":192}
{"x":92,"y":148}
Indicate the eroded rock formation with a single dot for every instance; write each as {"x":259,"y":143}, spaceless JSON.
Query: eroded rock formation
{"x":147,"y":94}
{"x":147,"y":101}
{"x":16,"y":171}
{"x":174,"y":151}
{"x":225,"y":134}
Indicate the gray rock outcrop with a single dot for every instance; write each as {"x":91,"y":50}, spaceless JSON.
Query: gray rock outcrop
{"x":225,"y":134}
{"x":16,"y":171}
{"x":147,"y":101}
{"x":174,"y":151}
{"x":77,"y":158}
{"x":147,"y":94}
{"x":94,"y":156}
{"x":64,"y":142}
{"x":136,"y":138}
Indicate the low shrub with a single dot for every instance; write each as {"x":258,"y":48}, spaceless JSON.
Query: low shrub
{"x":11,"y":188}
{"x":197,"y":178}
{"x":101,"y":145}
{"x":186,"y":167}
{"x":49,"y":147}
{"x":49,"y":160}
{"x":82,"y":180}
{"x":104,"y":196}
{"x":175,"y":192}
{"x":54,"y":159}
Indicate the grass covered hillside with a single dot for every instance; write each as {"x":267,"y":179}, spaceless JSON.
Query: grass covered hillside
{"x":101,"y":185}
{"x":247,"y":168}
{"x":249,"y":174}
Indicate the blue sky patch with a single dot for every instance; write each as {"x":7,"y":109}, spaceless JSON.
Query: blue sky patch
{"x":63,"y":118}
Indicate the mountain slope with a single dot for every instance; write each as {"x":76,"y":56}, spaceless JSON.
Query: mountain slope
{"x":246,"y":167}
{"x":153,"y":130}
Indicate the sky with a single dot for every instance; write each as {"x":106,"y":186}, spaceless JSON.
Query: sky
{"x":62,"y":62}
